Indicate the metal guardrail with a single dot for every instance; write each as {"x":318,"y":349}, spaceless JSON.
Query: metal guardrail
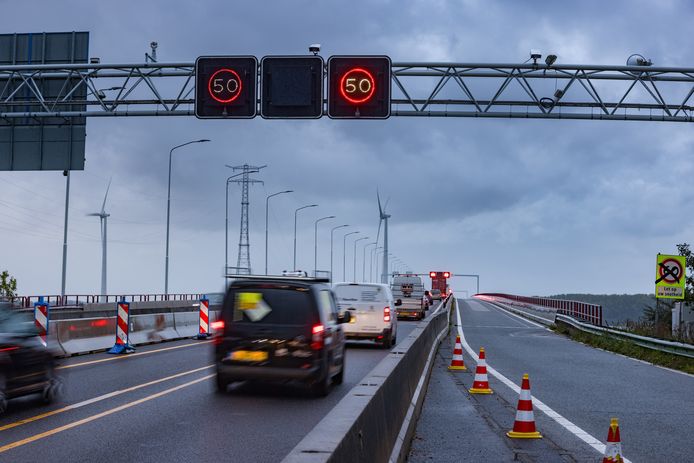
{"x":590,"y":313}
{"x":77,"y":300}
{"x":671,"y":347}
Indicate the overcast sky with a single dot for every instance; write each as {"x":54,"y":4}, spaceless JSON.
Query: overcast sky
{"x":533,"y":207}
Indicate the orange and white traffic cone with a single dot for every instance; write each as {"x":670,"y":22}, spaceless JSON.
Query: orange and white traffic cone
{"x":481,"y":384}
{"x":457,"y":361}
{"x":524,"y":426}
{"x":613,"y":447}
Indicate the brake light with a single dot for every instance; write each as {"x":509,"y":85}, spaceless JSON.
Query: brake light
{"x":8,"y":349}
{"x":386,"y":314}
{"x":317,"y":334}
{"x":217,"y":325}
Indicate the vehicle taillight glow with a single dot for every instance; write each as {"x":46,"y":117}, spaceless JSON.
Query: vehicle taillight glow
{"x":386,"y":314}
{"x":8,"y":349}
{"x":217,"y":325}
{"x":317,"y":334}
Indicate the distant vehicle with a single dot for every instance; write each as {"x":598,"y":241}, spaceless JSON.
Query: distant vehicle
{"x":436,"y":294}
{"x":372,"y":311}
{"x":280,"y":329}
{"x":26,"y":366}
{"x":408,"y":293}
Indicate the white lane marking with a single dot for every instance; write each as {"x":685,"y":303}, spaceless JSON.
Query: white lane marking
{"x":508,"y":313}
{"x":537,"y":403}
{"x":477,"y":307}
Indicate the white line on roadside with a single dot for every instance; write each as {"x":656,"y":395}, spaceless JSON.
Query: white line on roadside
{"x":537,"y":403}
{"x":508,"y":312}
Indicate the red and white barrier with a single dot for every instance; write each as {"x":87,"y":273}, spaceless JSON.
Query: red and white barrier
{"x":204,"y":323}
{"x":41,"y":317}
{"x":122,"y":345}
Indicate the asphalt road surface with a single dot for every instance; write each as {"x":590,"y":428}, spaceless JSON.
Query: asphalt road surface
{"x":585,"y":386}
{"x":158,"y":405}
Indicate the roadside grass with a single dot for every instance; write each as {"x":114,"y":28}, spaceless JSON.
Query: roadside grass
{"x":628,"y":349}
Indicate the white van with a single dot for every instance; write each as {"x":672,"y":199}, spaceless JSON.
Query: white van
{"x":372,"y":313}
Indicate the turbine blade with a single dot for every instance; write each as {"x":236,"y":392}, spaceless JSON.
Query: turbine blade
{"x":106,"y":195}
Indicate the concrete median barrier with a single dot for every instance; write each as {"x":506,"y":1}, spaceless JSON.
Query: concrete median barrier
{"x":84,"y":335}
{"x":374,"y":422}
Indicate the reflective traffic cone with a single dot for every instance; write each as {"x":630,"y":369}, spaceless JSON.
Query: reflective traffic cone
{"x":524,"y":426}
{"x":481,"y":384}
{"x":613,"y":447}
{"x":457,"y":361}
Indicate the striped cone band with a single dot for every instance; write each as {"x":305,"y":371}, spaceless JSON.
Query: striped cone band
{"x":204,"y":316}
{"x":457,"y":362}
{"x":41,"y":321}
{"x":122,"y":325}
{"x":524,"y":425}
{"x":613,"y":447}
{"x":481,"y":382}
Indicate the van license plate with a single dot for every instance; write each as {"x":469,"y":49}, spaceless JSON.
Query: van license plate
{"x":249,"y":355}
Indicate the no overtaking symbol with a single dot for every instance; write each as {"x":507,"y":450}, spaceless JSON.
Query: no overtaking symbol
{"x":670,"y":272}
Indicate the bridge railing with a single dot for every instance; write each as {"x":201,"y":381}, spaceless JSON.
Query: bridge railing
{"x":78,"y":300}
{"x":590,"y":313}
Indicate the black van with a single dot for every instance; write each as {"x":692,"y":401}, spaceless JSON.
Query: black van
{"x":280,"y":328}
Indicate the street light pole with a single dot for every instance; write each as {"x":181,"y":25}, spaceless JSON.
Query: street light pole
{"x":295,"y":214}
{"x":168,"y":214}
{"x":315,"y":243}
{"x":363,"y":261}
{"x":355,"y":257}
{"x":331,"y":248}
{"x":344,"y":253}
{"x":267,"y":204}
{"x":371,"y":262}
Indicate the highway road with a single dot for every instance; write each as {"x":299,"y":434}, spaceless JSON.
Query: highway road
{"x":585,"y":386}
{"x":158,"y":405}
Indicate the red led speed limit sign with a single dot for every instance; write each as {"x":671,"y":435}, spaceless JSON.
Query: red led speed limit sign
{"x":359,"y":87}
{"x":225,"y":87}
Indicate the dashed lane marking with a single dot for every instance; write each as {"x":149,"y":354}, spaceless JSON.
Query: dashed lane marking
{"x":88,"y":419}
{"x":99,"y":399}
{"x":120,"y":357}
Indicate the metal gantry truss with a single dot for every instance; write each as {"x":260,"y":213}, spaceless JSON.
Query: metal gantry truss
{"x":634,"y":93}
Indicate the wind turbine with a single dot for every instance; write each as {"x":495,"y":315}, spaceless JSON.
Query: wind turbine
{"x":383,"y":217}
{"x":104,"y":222}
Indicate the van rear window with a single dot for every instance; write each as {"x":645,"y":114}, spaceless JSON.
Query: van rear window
{"x":270,"y":305}
{"x":360,"y":293}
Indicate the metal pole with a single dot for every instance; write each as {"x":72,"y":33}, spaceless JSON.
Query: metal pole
{"x":315,"y":243}
{"x":363,"y":261}
{"x":344,"y":253}
{"x":267,"y":204}
{"x":226,"y":229}
{"x":355,"y":257}
{"x":67,"y":203}
{"x":295,"y":215}
{"x":168,"y":214}
{"x":331,"y":248}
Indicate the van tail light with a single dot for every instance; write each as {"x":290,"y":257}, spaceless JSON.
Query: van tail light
{"x":217,"y":325}
{"x":386,"y":314}
{"x":317,"y":335}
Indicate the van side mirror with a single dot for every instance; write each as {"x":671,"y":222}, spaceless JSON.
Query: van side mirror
{"x":345,"y":317}
{"x":398,"y":303}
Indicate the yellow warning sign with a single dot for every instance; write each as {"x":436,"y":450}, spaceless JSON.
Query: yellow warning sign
{"x":670,"y":277}
{"x":248,"y":301}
